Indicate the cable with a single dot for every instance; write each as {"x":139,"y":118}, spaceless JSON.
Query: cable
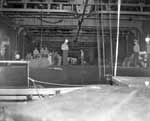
{"x":54,"y":84}
{"x":34,"y":85}
{"x":41,"y":32}
{"x":110,"y":34}
{"x":98,"y":41}
{"x":81,"y":20}
{"x":103,"y":38}
{"x":117,"y":42}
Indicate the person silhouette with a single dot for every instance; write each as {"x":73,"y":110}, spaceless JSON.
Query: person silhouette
{"x":65,"y":49}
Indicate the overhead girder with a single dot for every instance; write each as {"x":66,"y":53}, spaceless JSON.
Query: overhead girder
{"x":66,"y":15}
{"x":140,"y":7}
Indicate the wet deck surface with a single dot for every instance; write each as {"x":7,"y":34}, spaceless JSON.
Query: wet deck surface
{"x":94,"y":103}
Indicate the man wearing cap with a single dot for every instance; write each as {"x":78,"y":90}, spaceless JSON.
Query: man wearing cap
{"x":65,"y":49}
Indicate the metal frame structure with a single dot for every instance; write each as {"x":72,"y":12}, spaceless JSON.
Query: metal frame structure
{"x":64,"y":14}
{"x":128,"y":6}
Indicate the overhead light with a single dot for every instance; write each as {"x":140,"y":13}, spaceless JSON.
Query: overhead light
{"x":147,"y":39}
{"x":17,"y":56}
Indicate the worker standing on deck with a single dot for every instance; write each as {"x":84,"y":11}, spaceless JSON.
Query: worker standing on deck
{"x":36,"y":53}
{"x":82,"y":56}
{"x":65,"y":49}
{"x":136,"y":50}
{"x":147,"y":40}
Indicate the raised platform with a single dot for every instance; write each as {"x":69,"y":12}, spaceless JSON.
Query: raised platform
{"x":82,"y":74}
{"x":132,"y":81}
{"x":14,"y":76}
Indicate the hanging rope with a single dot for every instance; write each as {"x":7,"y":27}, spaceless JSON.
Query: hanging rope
{"x":117,"y":42}
{"x":37,"y":91}
{"x":103,"y":37}
{"x":41,"y":34}
{"x":98,"y":40}
{"x":54,"y":84}
{"x":110,"y":35}
{"x":81,"y":20}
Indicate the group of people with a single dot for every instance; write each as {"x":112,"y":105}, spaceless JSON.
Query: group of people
{"x":54,"y":57}
{"x":42,"y":53}
{"x":138,"y":58}
{"x":133,"y":59}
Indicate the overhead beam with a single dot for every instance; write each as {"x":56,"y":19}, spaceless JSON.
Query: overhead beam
{"x":36,"y":10}
{"x":73,"y":23}
{"x":139,"y":8}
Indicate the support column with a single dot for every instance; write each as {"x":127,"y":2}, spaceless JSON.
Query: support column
{"x":91,"y":55}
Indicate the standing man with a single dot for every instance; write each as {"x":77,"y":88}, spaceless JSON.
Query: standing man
{"x":136,"y":50}
{"x":65,"y":49}
{"x":36,"y":53}
{"x":82,"y":56}
{"x":147,"y":40}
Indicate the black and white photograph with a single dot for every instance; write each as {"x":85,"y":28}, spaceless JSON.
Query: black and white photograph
{"x":74,"y":60}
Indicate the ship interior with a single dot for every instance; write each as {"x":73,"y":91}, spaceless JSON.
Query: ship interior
{"x":59,"y":58}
